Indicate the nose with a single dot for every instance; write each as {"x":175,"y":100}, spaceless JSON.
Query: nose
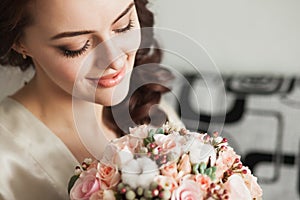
{"x":107,"y":55}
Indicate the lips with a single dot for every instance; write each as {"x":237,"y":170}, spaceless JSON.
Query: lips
{"x":111,"y":80}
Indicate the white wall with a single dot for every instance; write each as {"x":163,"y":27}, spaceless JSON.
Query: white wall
{"x":242,"y":36}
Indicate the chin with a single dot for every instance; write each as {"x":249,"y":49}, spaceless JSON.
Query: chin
{"x":110,"y":100}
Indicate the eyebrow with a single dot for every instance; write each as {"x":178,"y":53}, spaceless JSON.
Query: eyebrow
{"x":124,"y":12}
{"x":84,"y":32}
{"x":70,"y":34}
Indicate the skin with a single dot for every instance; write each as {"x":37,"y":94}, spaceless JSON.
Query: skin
{"x":49,"y":94}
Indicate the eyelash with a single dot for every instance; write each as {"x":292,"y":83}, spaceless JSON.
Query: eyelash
{"x":75,"y":53}
{"x":125,"y":29}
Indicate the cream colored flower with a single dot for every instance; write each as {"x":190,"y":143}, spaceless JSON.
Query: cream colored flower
{"x":139,"y":172}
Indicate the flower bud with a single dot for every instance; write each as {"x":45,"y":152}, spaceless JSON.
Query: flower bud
{"x":155,"y":192}
{"x":144,"y":150}
{"x":224,"y":140}
{"x":148,"y":194}
{"x":153,"y":186}
{"x":240,"y":166}
{"x":155,"y":151}
{"x":120,"y":186}
{"x":130,"y":195}
{"x":152,"y":145}
{"x":166,"y":194}
{"x":88,"y":161}
{"x":139,"y":191}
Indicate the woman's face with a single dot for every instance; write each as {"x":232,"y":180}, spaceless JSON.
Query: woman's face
{"x":83,"y":44}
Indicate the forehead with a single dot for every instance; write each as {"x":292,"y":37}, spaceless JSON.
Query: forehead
{"x":67,"y":15}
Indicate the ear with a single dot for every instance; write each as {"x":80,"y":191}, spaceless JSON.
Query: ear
{"x":20,"y":48}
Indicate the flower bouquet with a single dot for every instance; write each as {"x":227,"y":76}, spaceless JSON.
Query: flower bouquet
{"x":165,"y":163}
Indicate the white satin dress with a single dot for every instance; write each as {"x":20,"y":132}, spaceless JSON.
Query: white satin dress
{"x":34,"y":163}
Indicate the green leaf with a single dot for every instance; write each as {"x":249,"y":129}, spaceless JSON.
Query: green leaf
{"x":213,"y":177}
{"x":214,"y":169}
{"x":160,"y":131}
{"x":148,"y":140}
{"x":208,"y":171}
{"x":195,"y":168}
{"x":151,"y":133}
{"x":72,"y":181}
{"x":202,"y":167}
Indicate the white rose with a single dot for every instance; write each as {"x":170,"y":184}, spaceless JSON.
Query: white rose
{"x":201,"y":152}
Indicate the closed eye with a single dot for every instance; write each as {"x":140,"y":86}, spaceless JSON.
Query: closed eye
{"x":125,"y":29}
{"x":75,"y":53}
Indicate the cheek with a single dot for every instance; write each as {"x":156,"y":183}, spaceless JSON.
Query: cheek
{"x":131,"y":58}
{"x":129,"y":42}
{"x":63,"y":69}
{"x":60,"y":70}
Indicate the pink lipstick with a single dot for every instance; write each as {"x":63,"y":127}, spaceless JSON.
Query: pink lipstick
{"x":112,"y":79}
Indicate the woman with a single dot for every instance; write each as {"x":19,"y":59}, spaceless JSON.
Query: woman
{"x":39,"y":140}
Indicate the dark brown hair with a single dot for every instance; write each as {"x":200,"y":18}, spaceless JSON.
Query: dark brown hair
{"x":13,"y":19}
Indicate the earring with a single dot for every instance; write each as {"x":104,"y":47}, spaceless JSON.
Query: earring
{"x":24,"y":56}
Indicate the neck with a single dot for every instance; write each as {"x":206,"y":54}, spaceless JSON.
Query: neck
{"x":58,"y":110}
{"x":45,"y":101}
{"x":74,"y":121}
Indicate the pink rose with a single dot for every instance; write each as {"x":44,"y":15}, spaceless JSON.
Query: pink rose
{"x":168,"y":183}
{"x":139,"y":131}
{"x":134,"y":143}
{"x":166,"y":142}
{"x":129,"y":142}
{"x":121,"y":142}
{"x":189,"y":190}
{"x":113,"y":155}
{"x":237,"y":189}
{"x":86,"y":185}
{"x":203,"y":180}
{"x":109,"y":176}
{"x":225,"y":160}
{"x":252,"y":185}
{"x":172,"y":143}
{"x":170,"y":170}
{"x":184,"y":166}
